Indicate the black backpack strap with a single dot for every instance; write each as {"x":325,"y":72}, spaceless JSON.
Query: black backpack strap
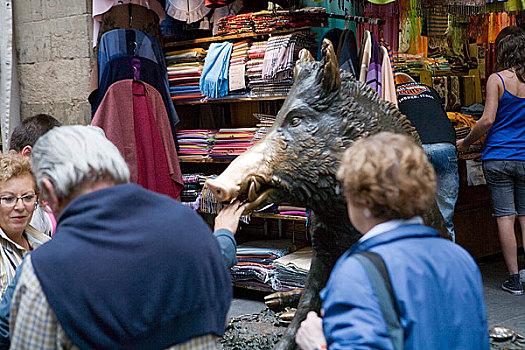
{"x":377,"y":272}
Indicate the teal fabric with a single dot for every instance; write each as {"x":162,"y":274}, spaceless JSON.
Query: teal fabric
{"x":228,"y":247}
{"x":214,"y":78}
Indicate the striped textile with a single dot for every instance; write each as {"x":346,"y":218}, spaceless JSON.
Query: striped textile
{"x":12,"y":254}
{"x":383,"y":42}
{"x":33,"y":323}
{"x":437,"y":24}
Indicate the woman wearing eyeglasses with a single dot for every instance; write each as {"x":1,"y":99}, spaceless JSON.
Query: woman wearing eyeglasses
{"x":18,"y":200}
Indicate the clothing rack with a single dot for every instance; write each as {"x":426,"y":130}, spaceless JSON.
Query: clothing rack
{"x":357,"y":19}
{"x":346,"y":17}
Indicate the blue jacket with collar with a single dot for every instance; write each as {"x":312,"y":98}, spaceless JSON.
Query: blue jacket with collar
{"x":438,"y":290}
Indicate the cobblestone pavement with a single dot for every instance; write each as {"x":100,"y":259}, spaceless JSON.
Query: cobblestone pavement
{"x":503,"y":309}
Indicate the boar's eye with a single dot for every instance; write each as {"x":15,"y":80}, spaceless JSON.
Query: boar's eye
{"x":295,"y":121}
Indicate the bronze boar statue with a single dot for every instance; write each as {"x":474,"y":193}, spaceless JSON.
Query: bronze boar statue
{"x":324,"y":113}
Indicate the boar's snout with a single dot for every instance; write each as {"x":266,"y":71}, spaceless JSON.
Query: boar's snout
{"x":248,"y":178}
{"x":221,"y":190}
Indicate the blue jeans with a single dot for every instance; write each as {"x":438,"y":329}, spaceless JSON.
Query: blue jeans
{"x":444,"y":158}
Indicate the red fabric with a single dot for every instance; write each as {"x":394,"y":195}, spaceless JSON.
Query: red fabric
{"x":153,"y":172}
{"x":115,"y":117}
{"x":217,"y":3}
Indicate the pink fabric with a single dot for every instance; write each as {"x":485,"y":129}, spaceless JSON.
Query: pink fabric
{"x":102,"y":6}
{"x":390,"y":30}
{"x":293,"y":212}
{"x":115,"y":117}
{"x":53,"y":222}
{"x":153,"y":172}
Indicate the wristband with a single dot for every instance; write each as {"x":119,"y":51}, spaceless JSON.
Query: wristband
{"x":466,"y":142}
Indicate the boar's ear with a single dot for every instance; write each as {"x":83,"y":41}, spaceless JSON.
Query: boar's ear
{"x":304,"y":56}
{"x":330,"y":80}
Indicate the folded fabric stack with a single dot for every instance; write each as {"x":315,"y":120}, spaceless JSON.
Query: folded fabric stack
{"x":211,"y":205}
{"x":439,"y":64}
{"x":195,"y":144}
{"x":214,"y":79}
{"x":278,"y":63}
{"x":240,"y":52}
{"x":475,"y":110}
{"x":268,"y":21}
{"x":285,"y":209}
{"x":192,"y":191}
{"x":292,"y":270}
{"x":271,"y":21}
{"x":255,"y":63}
{"x":463,"y":123}
{"x":236,"y":24}
{"x":278,"y":60}
{"x":265,"y":123}
{"x":239,"y":57}
{"x":255,"y":263}
{"x":229,"y":143}
{"x":184,"y":72}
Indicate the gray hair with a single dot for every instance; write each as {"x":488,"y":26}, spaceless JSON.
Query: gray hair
{"x":75,"y":156}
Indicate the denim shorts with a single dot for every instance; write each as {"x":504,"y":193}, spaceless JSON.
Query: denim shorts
{"x":506,"y":180}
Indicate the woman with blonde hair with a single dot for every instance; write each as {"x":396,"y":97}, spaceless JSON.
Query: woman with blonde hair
{"x":436,"y":288}
{"x":18,"y":200}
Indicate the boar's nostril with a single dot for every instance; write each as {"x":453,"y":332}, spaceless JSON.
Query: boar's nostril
{"x":218,"y":190}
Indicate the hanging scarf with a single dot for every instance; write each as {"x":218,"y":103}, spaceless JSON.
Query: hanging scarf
{"x":214,"y":78}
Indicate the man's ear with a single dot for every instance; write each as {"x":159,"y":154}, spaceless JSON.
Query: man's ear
{"x":50,"y":195}
{"x":26,"y":151}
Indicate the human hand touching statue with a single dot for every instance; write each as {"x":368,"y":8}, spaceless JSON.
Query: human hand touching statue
{"x":310,"y":335}
{"x":228,"y":217}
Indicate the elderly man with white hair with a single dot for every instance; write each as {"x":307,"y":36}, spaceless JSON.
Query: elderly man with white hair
{"x":126,"y":269}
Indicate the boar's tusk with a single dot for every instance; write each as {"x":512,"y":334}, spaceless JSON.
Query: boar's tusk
{"x":257,"y":202}
{"x":257,"y":183}
{"x":252,"y":194}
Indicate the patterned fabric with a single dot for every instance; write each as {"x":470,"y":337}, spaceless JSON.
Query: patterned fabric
{"x":440,"y":84}
{"x":279,"y":56}
{"x":388,"y":48}
{"x":454,"y":99}
{"x":12,"y":254}
{"x":34,"y":324}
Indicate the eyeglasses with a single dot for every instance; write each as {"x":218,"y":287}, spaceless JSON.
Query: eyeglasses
{"x":10,"y":201}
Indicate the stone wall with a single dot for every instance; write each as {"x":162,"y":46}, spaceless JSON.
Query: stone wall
{"x":53,"y":44}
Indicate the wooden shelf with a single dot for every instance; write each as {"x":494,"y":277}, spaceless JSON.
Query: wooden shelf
{"x":228,"y":37}
{"x":254,"y":287}
{"x":295,"y":218}
{"x":205,"y":160}
{"x":228,"y":100}
{"x":280,"y":217}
